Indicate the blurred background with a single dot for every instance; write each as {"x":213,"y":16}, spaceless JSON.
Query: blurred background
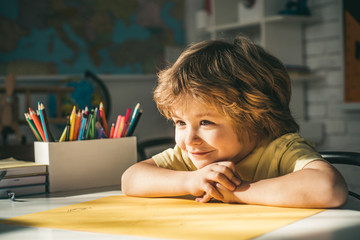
{"x":66,"y":53}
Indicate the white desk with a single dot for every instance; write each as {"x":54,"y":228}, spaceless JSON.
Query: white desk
{"x":331,"y":224}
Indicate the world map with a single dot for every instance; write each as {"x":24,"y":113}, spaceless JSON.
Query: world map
{"x":48,"y":37}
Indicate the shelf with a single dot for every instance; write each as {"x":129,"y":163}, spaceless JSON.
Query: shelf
{"x":271,"y":19}
{"x":232,"y":26}
{"x":350,"y":106}
{"x":290,"y":19}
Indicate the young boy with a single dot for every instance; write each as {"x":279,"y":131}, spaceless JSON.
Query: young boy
{"x":236,"y":140}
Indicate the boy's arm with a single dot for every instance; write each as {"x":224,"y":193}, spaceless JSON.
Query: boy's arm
{"x":146,"y":179}
{"x":317,"y":185}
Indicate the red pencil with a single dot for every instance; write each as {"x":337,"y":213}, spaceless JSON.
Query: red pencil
{"x":37,"y":123}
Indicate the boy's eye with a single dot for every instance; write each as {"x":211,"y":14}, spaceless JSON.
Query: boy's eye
{"x":206,"y":122}
{"x":179,"y":123}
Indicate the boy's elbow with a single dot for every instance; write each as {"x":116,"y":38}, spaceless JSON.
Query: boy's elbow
{"x":335,"y":193}
{"x":125,"y":184}
{"x":335,"y":199}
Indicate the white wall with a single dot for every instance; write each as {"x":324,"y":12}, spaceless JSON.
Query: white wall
{"x":324,"y":54}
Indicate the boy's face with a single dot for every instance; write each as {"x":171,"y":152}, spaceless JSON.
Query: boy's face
{"x":206,"y":135}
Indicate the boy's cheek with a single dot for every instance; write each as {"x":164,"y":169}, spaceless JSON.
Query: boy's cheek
{"x":180,"y":141}
{"x":177,"y":137}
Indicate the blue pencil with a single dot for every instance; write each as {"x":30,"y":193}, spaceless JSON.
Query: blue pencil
{"x":43,"y":122}
{"x":133,"y":120}
{"x":82,"y":127}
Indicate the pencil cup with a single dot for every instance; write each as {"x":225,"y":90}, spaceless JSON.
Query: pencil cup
{"x":86,"y":164}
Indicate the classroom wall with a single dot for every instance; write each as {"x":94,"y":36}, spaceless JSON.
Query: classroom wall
{"x":325,"y":98}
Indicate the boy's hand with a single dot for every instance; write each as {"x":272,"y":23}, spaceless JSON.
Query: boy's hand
{"x":202,"y":182}
{"x":229,"y":196}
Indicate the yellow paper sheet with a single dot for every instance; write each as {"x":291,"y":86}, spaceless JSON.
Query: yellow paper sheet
{"x":171,"y":218}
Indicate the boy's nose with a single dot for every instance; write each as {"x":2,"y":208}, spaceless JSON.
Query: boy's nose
{"x":192,"y":137}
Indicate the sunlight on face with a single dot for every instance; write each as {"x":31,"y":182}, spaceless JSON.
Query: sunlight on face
{"x":206,"y":135}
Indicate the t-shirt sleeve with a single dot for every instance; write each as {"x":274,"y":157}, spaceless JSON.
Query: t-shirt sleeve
{"x":174,"y":159}
{"x":298,"y":153}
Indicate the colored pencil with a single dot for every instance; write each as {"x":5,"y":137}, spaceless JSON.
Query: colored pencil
{"x":92,"y":132}
{"x":128,"y":115}
{"x":48,"y":134}
{"x":77,"y":125}
{"x":134,"y":123}
{"x":127,"y":123}
{"x":88,"y":126}
{"x":72,"y":123}
{"x":100,"y":130}
{"x":83,"y":125}
{"x":42,"y":121}
{"x":96,"y":111}
{"x":112,"y":130}
{"x":32,"y":127}
{"x":37,"y":123}
{"x":103,"y":119}
{"x":68,"y":128}
{"x":122,"y":121}
{"x":62,"y":138}
{"x":117,"y":125}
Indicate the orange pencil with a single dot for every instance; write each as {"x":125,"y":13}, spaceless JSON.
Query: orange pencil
{"x":37,"y":123}
{"x":112,"y":130}
{"x":77,"y":125}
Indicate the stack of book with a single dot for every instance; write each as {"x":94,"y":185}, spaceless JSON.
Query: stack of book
{"x":22,"y":178}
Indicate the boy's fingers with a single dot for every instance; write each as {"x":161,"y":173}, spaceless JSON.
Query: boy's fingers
{"x":236,"y":179}
{"x":203,"y":199}
{"x":211,"y":191}
{"x":219,"y":177}
{"x":226,"y":176}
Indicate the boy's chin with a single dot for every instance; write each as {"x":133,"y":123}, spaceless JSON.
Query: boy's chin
{"x":201,"y":163}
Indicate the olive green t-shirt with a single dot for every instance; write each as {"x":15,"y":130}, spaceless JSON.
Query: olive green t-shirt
{"x":286,"y":154}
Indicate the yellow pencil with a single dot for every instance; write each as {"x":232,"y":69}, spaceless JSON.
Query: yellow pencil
{"x":72,"y":123}
{"x":122,"y":121}
{"x":62,"y":138}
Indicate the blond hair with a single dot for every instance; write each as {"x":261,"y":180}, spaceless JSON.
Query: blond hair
{"x":242,"y":80}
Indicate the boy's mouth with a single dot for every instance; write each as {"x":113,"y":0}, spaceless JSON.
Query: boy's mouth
{"x":199,"y":153}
